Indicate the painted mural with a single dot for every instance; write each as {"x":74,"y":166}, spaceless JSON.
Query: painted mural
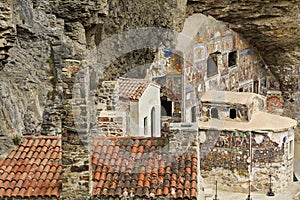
{"x":238,"y":67}
{"x":231,"y":150}
{"x":240,"y":72}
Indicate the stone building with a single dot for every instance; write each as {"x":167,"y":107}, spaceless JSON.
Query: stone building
{"x":129,"y":107}
{"x":140,"y":99}
{"x":208,"y":55}
{"x":242,"y":142}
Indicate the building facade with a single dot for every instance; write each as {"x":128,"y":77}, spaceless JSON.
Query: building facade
{"x":241,"y":143}
{"x":209,"y":55}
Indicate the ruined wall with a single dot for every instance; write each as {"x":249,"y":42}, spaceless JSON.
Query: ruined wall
{"x":242,"y":112}
{"x":76,"y":129}
{"x":7,"y":33}
{"x":227,"y":158}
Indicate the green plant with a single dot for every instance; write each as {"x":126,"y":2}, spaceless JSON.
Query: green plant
{"x":17,"y":140}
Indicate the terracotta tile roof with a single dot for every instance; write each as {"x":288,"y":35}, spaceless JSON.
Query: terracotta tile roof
{"x":129,"y":87}
{"x":142,"y":167}
{"x":139,"y":92}
{"x":33,"y":169}
{"x":133,"y":89}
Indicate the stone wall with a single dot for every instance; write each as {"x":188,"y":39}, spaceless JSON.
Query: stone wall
{"x":225,"y":157}
{"x":75,"y":131}
{"x":107,"y":96}
{"x":183,"y":139}
{"x":112,"y":123}
{"x":7,"y":33}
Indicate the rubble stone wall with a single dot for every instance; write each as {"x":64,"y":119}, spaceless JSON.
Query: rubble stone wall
{"x":226,"y":157}
{"x":76,"y":126}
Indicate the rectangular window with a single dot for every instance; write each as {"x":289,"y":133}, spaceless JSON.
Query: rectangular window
{"x":291,"y":149}
{"x":212,"y":64}
{"x":232,"y":58}
{"x":194,"y":117}
{"x":255,"y":87}
{"x":145,"y":126}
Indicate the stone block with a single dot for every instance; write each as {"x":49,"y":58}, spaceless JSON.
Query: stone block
{"x":79,"y":168}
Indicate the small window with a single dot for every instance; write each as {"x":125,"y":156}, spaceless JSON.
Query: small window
{"x":145,"y":126}
{"x":194,"y":114}
{"x":214,"y":113}
{"x":212,"y":65}
{"x":232,"y":59}
{"x":232,"y":113}
{"x":241,"y":90}
{"x":152,"y":122}
{"x":291,"y":148}
{"x":255,"y":87}
{"x":166,"y":107}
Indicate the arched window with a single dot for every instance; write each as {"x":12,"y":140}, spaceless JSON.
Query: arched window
{"x":152,"y":122}
{"x":214,"y":113}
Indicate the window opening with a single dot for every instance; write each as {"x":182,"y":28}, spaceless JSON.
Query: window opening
{"x":194,"y":114}
{"x":214,"y":113}
{"x":232,"y":59}
{"x":232,"y":113}
{"x":152,"y":121}
{"x":212,"y":64}
{"x":145,"y":125}
{"x":166,"y":107}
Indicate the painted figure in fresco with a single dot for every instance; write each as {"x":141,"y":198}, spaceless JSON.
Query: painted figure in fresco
{"x":243,"y":114}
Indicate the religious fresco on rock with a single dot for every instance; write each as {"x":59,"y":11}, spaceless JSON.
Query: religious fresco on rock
{"x":238,"y":68}
{"x":245,"y":69}
{"x":175,"y":66}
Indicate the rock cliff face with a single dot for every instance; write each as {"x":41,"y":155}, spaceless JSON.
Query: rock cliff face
{"x":272,"y":27}
{"x":37,"y":36}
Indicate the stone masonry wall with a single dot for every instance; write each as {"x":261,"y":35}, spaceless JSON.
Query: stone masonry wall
{"x":76,"y":126}
{"x":225,"y":157}
{"x":107,"y":97}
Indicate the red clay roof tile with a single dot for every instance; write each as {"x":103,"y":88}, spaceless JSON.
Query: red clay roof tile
{"x":2,"y":190}
{"x":23,"y":168}
{"x":193,"y":193}
{"x":28,"y":192}
{"x":48,"y":192}
{"x":146,"y":174}
{"x":15,"y":192}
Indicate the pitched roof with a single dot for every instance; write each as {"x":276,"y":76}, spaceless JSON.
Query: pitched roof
{"x":142,"y":167}
{"x":33,"y":169}
{"x":228,"y":97}
{"x":133,"y":88}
